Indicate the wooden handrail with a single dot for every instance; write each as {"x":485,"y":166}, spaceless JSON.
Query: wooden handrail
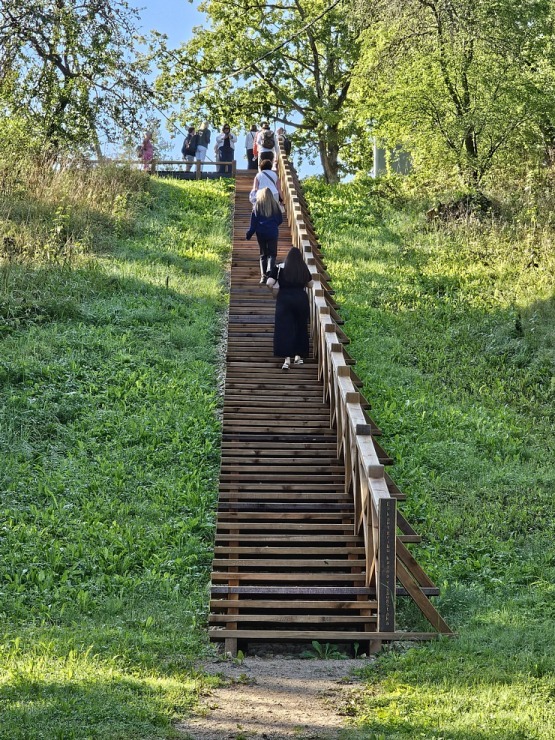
{"x":195,"y":166}
{"x":375,"y":508}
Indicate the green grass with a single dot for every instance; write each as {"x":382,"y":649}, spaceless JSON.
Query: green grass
{"x":452,"y":327}
{"x":109,"y":432}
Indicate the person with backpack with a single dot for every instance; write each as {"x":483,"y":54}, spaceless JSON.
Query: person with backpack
{"x":266,"y":144}
{"x":266,"y":218}
{"x":266,"y":178}
{"x":203,"y":141}
{"x":189,"y":148}
{"x":250,"y":139}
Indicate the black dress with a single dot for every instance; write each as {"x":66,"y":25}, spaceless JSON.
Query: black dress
{"x":291,"y":319}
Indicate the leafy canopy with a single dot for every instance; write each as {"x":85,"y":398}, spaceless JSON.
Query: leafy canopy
{"x":291,"y":60}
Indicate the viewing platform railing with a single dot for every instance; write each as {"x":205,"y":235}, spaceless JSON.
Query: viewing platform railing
{"x":196,"y":169}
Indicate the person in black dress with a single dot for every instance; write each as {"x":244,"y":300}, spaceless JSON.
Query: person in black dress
{"x":292,"y":308}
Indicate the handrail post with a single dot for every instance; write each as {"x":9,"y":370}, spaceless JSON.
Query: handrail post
{"x":385,"y":571}
{"x":197,"y":170}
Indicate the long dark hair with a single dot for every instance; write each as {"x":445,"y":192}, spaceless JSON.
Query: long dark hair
{"x":294,"y":269}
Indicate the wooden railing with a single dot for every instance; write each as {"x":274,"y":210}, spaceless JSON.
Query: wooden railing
{"x":375,"y":507}
{"x":156,"y":164}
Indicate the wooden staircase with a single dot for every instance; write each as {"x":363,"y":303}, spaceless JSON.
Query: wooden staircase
{"x":288,"y":566}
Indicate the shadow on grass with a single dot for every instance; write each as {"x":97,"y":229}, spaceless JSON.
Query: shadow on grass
{"x":93,"y":707}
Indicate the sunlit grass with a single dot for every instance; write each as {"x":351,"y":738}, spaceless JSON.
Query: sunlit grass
{"x":109,"y":426}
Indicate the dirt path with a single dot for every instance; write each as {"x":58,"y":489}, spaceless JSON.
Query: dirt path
{"x":275,"y":699}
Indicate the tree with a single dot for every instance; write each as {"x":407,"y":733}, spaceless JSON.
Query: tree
{"x":69,"y":69}
{"x":291,"y":60}
{"x":457,"y":81}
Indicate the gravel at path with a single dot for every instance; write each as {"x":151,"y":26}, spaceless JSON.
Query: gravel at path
{"x":276,"y":699}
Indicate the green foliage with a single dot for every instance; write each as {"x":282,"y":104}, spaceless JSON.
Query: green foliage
{"x":304,"y":84}
{"x":70,"y":71}
{"x":460,"y":85}
{"x":452,"y":329}
{"x":323,"y":651}
{"x":54,"y":212}
{"x":109,"y":426}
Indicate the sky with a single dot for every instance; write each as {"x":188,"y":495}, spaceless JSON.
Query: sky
{"x":176,"y":18}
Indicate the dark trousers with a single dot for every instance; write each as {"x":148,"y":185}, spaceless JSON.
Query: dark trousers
{"x":268,"y":252}
{"x":227,"y":154}
{"x":252,"y":164}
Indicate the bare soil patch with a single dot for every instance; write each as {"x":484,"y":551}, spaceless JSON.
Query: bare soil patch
{"x":276,"y":698}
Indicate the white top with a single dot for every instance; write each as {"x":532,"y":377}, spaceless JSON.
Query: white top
{"x":220,"y":140}
{"x":264,"y":179}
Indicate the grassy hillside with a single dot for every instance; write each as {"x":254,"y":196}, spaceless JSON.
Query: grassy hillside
{"x":452,"y":327}
{"x":111,"y":306}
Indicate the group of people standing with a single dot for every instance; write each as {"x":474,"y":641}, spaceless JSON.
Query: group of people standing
{"x":259,"y":145}
{"x":196,"y":144}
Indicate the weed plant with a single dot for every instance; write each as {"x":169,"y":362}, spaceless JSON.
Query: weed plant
{"x":109,"y":433}
{"x":452,"y":326}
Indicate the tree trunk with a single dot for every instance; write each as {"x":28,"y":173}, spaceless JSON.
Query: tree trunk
{"x":329,"y":153}
{"x":472,"y":169}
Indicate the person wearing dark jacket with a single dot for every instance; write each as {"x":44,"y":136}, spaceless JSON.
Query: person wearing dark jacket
{"x":292,"y":308}
{"x":266,"y":218}
{"x":189,"y":148}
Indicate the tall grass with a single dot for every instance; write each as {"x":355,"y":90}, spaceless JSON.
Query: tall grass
{"x":452,"y":329}
{"x":54,"y":211}
{"x":109,"y":434}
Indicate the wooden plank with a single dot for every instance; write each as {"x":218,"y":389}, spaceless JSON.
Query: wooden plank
{"x":323,"y":636}
{"x":307,"y":550}
{"x":282,"y":562}
{"x":297,"y":604}
{"x":292,"y":618}
{"x":283,"y":519}
{"x":422,"y":602}
{"x":277,"y":525}
{"x":411,"y":564}
{"x":308,"y":539}
{"x":283,"y":495}
{"x":299,"y":577}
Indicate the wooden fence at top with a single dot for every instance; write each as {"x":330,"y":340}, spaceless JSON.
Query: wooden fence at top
{"x":194,"y":169}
